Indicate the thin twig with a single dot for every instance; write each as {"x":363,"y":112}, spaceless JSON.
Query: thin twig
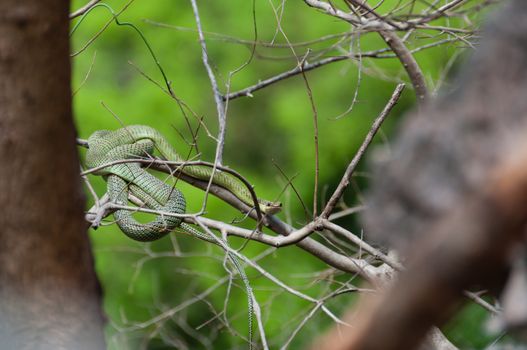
{"x":220,"y":107}
{"x":171,"y":312}
{"x":439,"y":12}
{"x":344,"y":182}
{"x":481,"y":302}
{"x":348,"y":17}
{"x":278,"y":282}
{"x":289,"y":182}
{"x":381,"y":53}
{"x":315,"y":136}
{"x":86,"y":75}
{"x":297,"y":70}
{"x":82,"y":143}
{"x":106,"y":25}
{"x":346,"y":212}
{"x":361,"y":244}
{"x":83,"y":9}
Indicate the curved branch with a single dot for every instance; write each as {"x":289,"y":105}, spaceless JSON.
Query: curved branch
{"x":83,"y":9}
{"x":386,"y":31}
{"x":409,"y":63}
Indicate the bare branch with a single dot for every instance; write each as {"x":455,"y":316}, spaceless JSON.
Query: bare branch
{"x":362,"y":245}
{"x":409,"y":63}
{"x":401,"y":51}
{"x":439,"y":12}
{"x":83,"y":9}
{"x":351,"y":18}
{"x":381,"y":53}
{"x":220,"y":107}
{"x":344,"y":182}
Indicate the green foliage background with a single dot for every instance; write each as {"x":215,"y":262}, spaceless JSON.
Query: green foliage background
{"x":274,"y":128}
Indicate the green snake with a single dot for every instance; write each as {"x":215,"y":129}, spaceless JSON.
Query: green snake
{"x":118,"y":143}
{"x":132,"y":142}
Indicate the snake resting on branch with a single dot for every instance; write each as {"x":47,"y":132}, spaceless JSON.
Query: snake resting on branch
{"x":124,"y":179}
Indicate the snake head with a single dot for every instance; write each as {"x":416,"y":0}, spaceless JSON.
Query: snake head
{"x":269,"y":207}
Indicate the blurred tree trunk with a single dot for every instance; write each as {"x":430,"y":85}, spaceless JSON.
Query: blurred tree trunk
{"x":452,"y":197}
{"x":49,"y":293}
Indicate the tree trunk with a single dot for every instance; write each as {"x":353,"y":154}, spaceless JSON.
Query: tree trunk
{"x":49,"y":294}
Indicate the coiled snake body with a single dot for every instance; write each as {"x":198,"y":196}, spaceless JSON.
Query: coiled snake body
{"x":130,"y":178}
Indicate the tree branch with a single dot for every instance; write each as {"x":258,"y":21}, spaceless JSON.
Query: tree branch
{"x":385,"y":30}
{"x":344,"y":182}
{"x":83,"y":9}
{"x":220,"y":107}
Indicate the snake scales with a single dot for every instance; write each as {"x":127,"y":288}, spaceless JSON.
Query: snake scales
{"x":130,"y":178}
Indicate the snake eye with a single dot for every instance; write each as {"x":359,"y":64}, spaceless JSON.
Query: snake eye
{"x":270,"y":207}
